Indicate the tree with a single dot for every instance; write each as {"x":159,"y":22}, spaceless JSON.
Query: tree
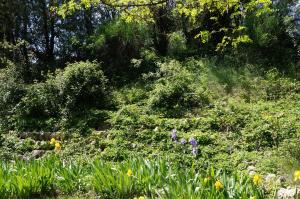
{"x":225,"y":17}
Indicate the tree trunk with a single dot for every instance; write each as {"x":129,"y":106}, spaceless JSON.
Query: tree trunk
{"x":49,"y":38}
{"x":162,"y":27}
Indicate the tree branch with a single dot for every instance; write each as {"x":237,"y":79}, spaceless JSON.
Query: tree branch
{"x":132,"y":5}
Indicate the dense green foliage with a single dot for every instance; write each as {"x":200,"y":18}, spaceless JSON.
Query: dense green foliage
{"x":133,"y":178}
{"x":154,"y":99}
{"x":63,"y":96}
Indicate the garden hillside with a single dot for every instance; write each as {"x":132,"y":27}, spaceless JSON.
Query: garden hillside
{"x":194,"y":121}
{"x":148,"y":99}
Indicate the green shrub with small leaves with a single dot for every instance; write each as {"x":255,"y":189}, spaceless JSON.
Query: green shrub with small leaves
{"x":80,"y":85}
{"x":176,"y":90}
{"x":276,"y":86}
{"x":70,"y":92}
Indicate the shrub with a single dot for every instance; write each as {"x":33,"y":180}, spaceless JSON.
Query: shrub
{"x":40,"y":100}
{"x":176,"y":89}
{"x":81,"y":85}
{"x":116,"y":43}
{"x":38,"y":109}
{"x":145,"y":64}
{"x":11,"y":93}
{"x":277,"y":87}
{"x":11,"y":89}
{"x":177,"y":43}
{"x":67,"y":94}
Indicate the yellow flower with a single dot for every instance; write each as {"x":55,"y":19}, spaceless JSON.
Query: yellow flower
{"x":218,"y":185}
{"x":57,"y":146}
{"x":52,"y":141}
{"x":129,"y":172}
{"x":141,"y":197}
{"x":297,"y":175}
{"x":257,"y":179}
{"x":252,"y":197}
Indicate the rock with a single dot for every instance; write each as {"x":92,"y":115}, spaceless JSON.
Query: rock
{"x":38,"y":153}
{"x":251,"y":168}
{"x":267,"y":153}
{"x":252,"y":173}
{"x":281,"y":180}
{"x":38,"y":135}
{"x":23,"y":157}
{"x":287,"y":193}
{"x":270,"y":178}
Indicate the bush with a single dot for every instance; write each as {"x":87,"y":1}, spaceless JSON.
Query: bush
{"x":177,"y":44}
{"x":38,"y":109}
{"x":176,"y":90}
{"x":40,"y":100}
{"x":11,"y":93}
{"x":116,"y":43}
{"x":81,"y":85}
{"x":11,"y":88}
{"x":276,"y":87}
{"x":66,"y":95}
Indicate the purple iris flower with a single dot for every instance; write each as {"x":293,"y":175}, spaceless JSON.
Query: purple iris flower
{"x":193,"y":142}
{"x":195,"y":151}
{"x":174,"y":135}
{"x":182,"y":141}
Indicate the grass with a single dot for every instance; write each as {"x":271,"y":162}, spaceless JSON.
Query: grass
{"x":132,"y":178}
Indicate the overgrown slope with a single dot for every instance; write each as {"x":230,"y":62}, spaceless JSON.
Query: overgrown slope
{"x":194,"y":113}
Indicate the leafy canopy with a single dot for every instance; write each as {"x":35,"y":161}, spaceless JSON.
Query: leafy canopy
{"x":140,"y":11}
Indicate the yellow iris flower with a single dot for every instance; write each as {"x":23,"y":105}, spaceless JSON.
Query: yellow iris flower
{"x":297,"y":175}
{"x":257,"y":179}
{"x":218,"y":185}
{"x":52,"y":141}
{"x":57,"y":146}
{"x":129,"y":172}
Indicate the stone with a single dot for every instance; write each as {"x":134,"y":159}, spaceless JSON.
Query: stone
{"x":38,"y":153}
{"x":281,"y":180}
{"x":93,"y":142}
{"x":270,"y":178}
{"x":252,"y":173}
{"x":286,"y":193}
{"x":23,"y":157}
{"x":251,"y":168}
